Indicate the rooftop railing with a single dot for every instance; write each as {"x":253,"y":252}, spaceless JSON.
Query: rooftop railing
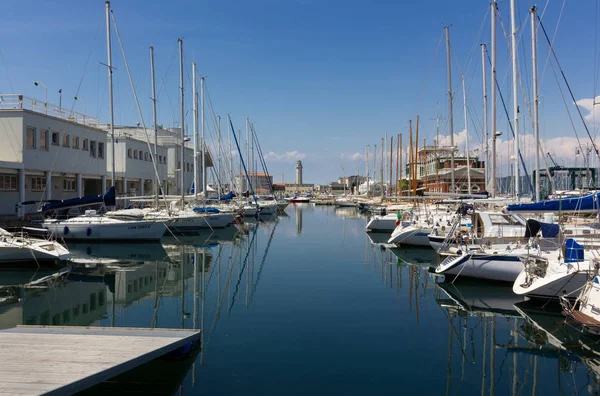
{"x":21,"y":102}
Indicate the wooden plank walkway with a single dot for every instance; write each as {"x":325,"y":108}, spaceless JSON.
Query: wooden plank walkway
{"x":65,"y":360}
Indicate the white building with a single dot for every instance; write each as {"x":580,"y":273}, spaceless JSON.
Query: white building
{"x":261,"y":182}
{"x":47,"y":153}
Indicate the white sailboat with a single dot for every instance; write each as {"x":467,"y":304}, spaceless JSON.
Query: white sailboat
{"x":93,"y":226}
{"x":21,"y":248}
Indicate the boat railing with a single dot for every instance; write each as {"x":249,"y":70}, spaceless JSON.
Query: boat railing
{"x":21,"y":102}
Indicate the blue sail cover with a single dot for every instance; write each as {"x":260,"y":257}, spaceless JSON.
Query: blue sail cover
{"x":587,"y":203}
{"x":548,"y":230}
{"x":227,"y":196}
{"x":206,"y":210}
{"x":573,"y":251}
{"x":108,"y":199}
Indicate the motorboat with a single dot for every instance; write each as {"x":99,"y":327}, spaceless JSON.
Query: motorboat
{"x":299,"y":199}
{"x":414,"y":227}
{"x":586,"y":310}
{"x":21,"y":248}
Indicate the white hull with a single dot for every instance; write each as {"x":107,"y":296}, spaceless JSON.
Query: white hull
{"x":385,"y":223}
{"x":552,"y":286}
{"x":90,"y":228}
{"x":268,"y":209}
{"x":496,"y":267}
{"x":412,"y":236}
{"x":38,"y":251}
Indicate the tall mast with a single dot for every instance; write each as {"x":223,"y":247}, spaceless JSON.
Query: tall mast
{"x":202,"y":142}
{"x":494,"y":8}
{"x":248,"y":153}
{"x":374,"y":166}
{"x":536,"y":125}
{"x":219,"y":188}
{"x":467,"y":132}
{"x":367,"y":167}
{"x":157,"y":189}
{"x":397,"y":163}
{"x":110,"y":94}
{"x":409,"y":160}
{"x":485,"y":120}
{"x":182,"y":167}
{"x":401,"y":148}
{"x":513,"y":48}
{"x":416,"y":157}
{"x":195,"y":112}
{"x":381,"y":165}
{"x":451,"y":118}
{"x":391,"y":167}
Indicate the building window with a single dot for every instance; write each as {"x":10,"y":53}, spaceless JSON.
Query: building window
{"x":31,"y":137}
{"x":146,"y":156}
{"x":160,"y":159}
{"x":141,"y":155}
{"x":129,"y":153}
{"x":69,"y":185}
{"x":92,"y":148}
{"x":75,"y":142}
{"x":38,"y":183}
{"x":84,"y":145}
{"x":135,"y":154}
{"x":66,"y":140}
{"x":55,"y":138}
{"x":8,"y":182}
{"x":100,"y":150}
{"x":44,"y":139}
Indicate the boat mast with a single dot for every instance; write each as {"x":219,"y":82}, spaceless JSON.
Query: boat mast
{"x":397,"y":163}
{"x":485,"y":120}
{"x":513,"y":48}
{"x":374,"y":166}
{"x":203,"y":142}
{"x":467,"y":132}
{"x":391,"y":167}
{"x":416,"y":157}
{"x":494,"y":8}
{"x":182,"y":165}
{"x":367,"y":167}
{"x":157,"y":189}
{"x":451,"y":118}
{"x":410,"y":160}
{"x":110,"y":94}
{"x":381,"y":165}
{"x":401,"y":148}
{"x":248,"y":154}
{"x":536,"y":125}
{"x":195,"y":121}
{"x":219,"y":187}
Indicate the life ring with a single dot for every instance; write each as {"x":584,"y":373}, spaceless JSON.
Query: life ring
{"x":88,"y":232}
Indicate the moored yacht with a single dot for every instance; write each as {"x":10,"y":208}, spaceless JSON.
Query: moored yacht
{"x":21,"y":248}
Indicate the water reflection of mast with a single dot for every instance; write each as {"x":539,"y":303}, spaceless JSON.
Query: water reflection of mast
{"x":449,"y":375}
{"x":243,"y":266}
{"x":264,"y":259}
{"x":493,"y":358}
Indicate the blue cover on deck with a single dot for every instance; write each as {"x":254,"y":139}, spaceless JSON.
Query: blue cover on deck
{"x":573,"y":251}
{"x":206,"y":210}
{"x":573,"y":204}
{"x":549,"y":230}
{"x":108,"y":199}
{"x":227,"y":196}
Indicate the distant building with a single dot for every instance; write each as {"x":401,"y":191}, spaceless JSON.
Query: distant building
{"x":291,"y":189}
{"x":352,"y":183}
{"x":434,"y":172}
{"x":261,"y":182}
{"x":299,"y":172}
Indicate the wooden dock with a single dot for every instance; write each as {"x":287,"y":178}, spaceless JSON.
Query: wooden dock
{"x":64,"y":360}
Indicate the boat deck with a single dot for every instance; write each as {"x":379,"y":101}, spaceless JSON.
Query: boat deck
{"x":65,"y":360}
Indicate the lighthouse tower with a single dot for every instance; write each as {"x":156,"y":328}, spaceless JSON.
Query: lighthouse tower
{"x":299,"y":172}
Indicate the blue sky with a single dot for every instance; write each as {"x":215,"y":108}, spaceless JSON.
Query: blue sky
{"x":319,"y":79}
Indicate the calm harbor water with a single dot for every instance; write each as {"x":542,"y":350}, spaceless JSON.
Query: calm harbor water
{"x":309,"y":303}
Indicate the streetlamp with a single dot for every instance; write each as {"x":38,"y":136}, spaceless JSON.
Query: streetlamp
{"x":38,"y":83}
{"x":80,"y":98}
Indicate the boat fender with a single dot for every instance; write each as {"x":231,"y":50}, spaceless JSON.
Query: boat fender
{"x":88,"y":232}
{"x":454,"y":250}
{"x":66,"y":230}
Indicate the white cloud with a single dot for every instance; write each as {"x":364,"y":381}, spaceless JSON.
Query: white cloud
{"x":353,"y":156}
{"x":593,"y":111}
{"x":288,"y":156}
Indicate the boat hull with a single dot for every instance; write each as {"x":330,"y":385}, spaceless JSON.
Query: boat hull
{"x":91,"y":231}
{"x":495,"y":267}
{"x":411,"y":236}
{"x":195,"y":223}
{"x":382,"y":224}
{"x":552,"y":286}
